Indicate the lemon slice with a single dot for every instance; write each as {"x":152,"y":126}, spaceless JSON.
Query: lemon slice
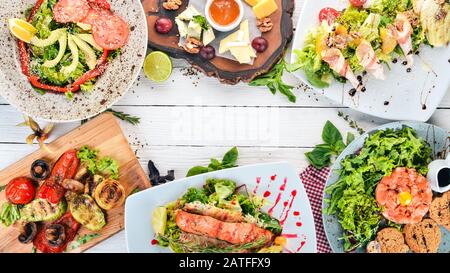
{"x":21,"y":29}
{"x":157,"y":66}
{"x":159,"y":220}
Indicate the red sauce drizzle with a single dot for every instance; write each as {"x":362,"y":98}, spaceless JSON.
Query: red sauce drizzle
{"x":296,"y":213}
{"x":282,"y":188}
{"x":258,"y":180}
{"x":266,"y":194}
{"x":293,"y":194}
{"x":289,"y":235}
{"x":301,"y":245}
{"x":273,"y":177}
{"x":299,"y":224}
{"x":154,"y":242}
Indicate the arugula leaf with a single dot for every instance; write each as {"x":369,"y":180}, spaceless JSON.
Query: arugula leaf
{"x":273,"y":80}
{"x":228,"y":161}
{"x":81,"y":240}
{"x":201,"y":20}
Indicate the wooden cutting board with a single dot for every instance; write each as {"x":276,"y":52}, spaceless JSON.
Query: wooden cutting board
{"x":102,"y":133}
{"x":226,"y":70}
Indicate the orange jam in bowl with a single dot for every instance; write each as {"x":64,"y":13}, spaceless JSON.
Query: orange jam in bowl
{"x":224,"y":12}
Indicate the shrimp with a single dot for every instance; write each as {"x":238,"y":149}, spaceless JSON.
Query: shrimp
{"x":405,"y":196}
{"x":215,"y":212}
{"x":334,"y":58}
{"x":402,"y":30}
{"x":369,"y":60}
{"x":234,"y":233}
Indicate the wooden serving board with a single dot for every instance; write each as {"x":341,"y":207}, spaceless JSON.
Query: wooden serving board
{"x":102,"y":133}
{"x":226,"y":70}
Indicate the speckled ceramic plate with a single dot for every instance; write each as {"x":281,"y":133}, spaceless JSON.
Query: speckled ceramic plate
{"x":435,"y":136}
{"x":278,"y":182}
{"x":110,"y":87}
{"x":402,"y":96}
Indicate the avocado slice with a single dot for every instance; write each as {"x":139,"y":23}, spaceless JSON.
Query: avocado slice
{"x":89,"y":53}
{"x":62,"y":49}
{"x":53,"y":38}
{"x":86,"y":212}
{"x":67,"y":70}
{"x":88,"y":38}
{"x":85,"y":27}
{"x":42,"y":210}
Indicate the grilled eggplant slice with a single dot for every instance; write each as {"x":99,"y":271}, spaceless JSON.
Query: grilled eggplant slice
{"x":86,"y":212}
{"x":109,"y":194}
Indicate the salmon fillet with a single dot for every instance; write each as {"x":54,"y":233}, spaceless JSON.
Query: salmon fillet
{"x":234,"y":233}
{"x":215,"y":212}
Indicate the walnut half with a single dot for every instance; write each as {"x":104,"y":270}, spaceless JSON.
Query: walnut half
{"x":172,"y":4}
{"x":192,"y":45}
{"x":265,"y":24}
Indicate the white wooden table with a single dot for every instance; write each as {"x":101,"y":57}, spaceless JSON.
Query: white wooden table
{"x":189,"y":119}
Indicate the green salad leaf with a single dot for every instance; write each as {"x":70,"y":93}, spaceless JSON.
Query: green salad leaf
{"x":9,"y":214}
{"x":352,"y":18}
{"x":352,"y":197}
{"x":104,"y":165}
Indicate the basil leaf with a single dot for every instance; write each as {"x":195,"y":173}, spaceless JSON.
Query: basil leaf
{"x":197,"y":170}
{"x":215,"y":164}
{"x":230,"y":157}
{"x":319,"y":157}
{"x":350,"y":138}
{"x":331,"y":134}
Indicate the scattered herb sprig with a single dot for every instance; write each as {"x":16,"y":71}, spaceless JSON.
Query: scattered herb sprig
{"x":333,"y":145}
{"x":274,"y":81}
{"x":41,"y":135}
{"x":81,"y":240}
{"x":2,"y":188}
{"x":228,"y":161}
{"x":121,"y":115}
{"x":351,"y":123}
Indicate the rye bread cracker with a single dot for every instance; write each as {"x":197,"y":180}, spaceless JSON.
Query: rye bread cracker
{"x":423,"y":237}
{"x":440,"y":210}
{"x":391,"y":240}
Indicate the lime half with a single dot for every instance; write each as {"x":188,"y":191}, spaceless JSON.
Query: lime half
{"x":159,"y":220}
{"x":157,"y":66}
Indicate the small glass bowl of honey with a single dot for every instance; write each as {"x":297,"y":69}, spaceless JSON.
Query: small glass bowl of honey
{"x":224,"y":15}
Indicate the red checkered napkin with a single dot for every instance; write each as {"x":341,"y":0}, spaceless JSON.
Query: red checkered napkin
{"x":314,"y":182}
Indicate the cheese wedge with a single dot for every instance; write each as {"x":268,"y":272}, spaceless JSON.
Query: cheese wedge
{"x":243,"y":54}
{"x":208,"y":36}
{"x":264,"y":8}
{"x":188,"y":13}
{"x":251,"y":3}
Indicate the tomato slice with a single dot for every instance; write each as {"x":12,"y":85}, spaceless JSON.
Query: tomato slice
{"x":20,"y":191}
{"x":66,"y":11}
{"x":110,"y":32}
{"x":329,"y":15}
{"x":358,"y":3}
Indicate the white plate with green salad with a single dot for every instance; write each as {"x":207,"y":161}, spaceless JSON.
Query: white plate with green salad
{"x":386,"y":58}
{"x":352,"y":213}
{"x":68,"y":60}
{"x":256,"y":208}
